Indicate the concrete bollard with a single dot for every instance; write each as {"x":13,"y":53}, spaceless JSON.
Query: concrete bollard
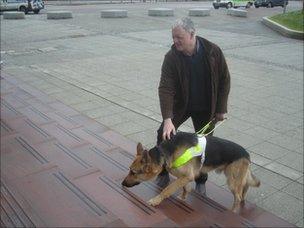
{"x":161,"y":12}
{"x":13,"y":15}
{"x":114,"y":13}
{"x":199,"y":12}
{"x":59,"y":15}
{"x":237,"y":12}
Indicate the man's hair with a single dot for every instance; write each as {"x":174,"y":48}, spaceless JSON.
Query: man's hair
{"x":186,"y":23}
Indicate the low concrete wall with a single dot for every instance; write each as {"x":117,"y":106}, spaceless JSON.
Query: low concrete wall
{"x":237,"y":12}
{"x":161,"y":12}
{"x":59,"y":15}
{"x":199,"y":12}
{"x":114,"y":13}
{"x":283,"y":30}
{"x":13,"y":15}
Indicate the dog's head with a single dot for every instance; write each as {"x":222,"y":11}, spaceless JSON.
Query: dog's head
{"x":143,"y":168}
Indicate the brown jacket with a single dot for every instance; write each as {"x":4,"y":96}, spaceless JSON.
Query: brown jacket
{"x":174,"y":83}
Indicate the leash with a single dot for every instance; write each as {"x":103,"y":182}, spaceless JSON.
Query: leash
{"x":202,"y":132}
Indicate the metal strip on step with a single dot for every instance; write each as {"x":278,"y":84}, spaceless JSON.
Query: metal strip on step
{"x":31,"y":150}
{"x":126,"y":194}
{"x":80,"y":194}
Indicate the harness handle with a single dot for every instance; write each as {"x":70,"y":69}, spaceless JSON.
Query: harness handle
{"x":202,"y":132}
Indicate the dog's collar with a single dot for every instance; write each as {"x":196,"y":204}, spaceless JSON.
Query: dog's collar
{"x":195,"y":151}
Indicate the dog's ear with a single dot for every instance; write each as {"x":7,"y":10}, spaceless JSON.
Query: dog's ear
{"x":146,"y":161}
{"x":146,"y":157}
{"x":139,"y":149}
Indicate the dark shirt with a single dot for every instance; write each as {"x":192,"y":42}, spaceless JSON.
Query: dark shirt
{"x":200,"y":87}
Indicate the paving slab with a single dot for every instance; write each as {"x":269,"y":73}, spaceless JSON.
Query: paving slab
{"x":281,"y":203}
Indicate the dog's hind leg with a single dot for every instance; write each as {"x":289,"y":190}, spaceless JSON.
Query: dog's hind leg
{"x":236,"y":187}
{"x":251,"y":180}
{"x":237,"y":199}
{"x":245,"y":189}
{"x":236,"y":174}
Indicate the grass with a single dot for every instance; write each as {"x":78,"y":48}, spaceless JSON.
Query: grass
{"x":292,"y":20}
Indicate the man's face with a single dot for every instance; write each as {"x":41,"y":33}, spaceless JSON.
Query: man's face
{"x":182,"y":40}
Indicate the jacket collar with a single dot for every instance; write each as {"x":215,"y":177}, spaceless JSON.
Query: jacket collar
{"x":207,"y":45}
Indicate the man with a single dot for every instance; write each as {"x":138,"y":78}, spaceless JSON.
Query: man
{"x":195,"y":82}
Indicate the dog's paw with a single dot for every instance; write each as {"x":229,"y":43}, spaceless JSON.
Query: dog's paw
{"x":155,"y":201}
{"x":182,"y":197}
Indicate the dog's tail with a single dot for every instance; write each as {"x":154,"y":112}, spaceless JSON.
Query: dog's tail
{"x":252,"y":180}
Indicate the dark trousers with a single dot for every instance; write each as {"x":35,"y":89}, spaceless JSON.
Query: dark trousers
{"x":199,"y":120}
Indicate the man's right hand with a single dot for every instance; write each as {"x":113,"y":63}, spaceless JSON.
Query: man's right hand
{"x":168,"y":129}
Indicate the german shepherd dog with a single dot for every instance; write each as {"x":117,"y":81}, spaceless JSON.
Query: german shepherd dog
{"x":220,"y":155}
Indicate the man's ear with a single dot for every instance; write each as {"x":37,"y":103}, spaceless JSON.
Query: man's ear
{"x":193,"y":35}
{"x":139,"y":149}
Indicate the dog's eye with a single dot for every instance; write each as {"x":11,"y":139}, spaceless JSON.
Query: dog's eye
{"x":135,"y":172}
{"x":132,"y":172}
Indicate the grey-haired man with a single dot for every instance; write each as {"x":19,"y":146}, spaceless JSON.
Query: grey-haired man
{"x":194,"y":83}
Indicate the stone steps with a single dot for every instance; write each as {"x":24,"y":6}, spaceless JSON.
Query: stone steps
{"x":60,"y":168}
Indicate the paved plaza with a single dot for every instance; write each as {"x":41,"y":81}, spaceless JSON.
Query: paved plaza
{"x":109,"y":68}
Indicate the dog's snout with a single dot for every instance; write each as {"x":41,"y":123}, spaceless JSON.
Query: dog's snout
{"x":124,"y":183}
{"x":129,"y":184}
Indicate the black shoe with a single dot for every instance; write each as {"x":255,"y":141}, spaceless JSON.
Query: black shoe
{"x":200,"y":181}
{"x":201,"y":189}
{"x":163,"y":179}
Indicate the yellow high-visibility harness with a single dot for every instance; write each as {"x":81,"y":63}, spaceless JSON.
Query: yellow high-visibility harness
{"x":198,"y":150}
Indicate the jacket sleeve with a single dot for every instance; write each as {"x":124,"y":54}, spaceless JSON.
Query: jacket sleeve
{"x":223,"y":86}
{"x":167,"y":88}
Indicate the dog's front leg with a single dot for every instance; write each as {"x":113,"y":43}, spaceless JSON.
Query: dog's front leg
{"x":169,"y":190}
{"x":186,"y":190}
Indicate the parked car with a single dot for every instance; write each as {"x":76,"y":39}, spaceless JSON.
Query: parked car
{"x":37,"y":5}
{"x":22,"y":5}
{"x":232,"y":3}
{"x":269,"y":3}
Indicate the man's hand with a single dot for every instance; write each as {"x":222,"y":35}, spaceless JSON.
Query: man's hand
{"x":168,"y":129}
{"x":219,"y":116}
